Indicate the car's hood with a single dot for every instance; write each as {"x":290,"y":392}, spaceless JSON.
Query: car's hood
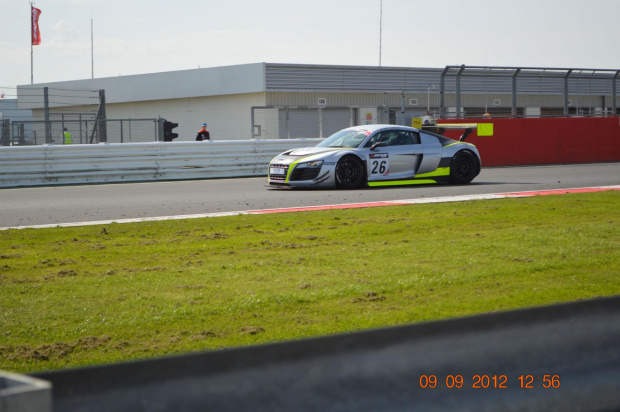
{"x":309,"y":151}
{"x":294,"y":155}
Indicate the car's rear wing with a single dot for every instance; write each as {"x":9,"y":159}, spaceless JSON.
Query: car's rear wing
{"x":482,"y":129}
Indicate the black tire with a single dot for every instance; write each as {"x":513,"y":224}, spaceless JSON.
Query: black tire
{"x":464,"y":167}
{"x":349,"y":172}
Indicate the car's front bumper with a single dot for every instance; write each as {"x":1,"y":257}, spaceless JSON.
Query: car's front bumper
{"x":295,"y":175}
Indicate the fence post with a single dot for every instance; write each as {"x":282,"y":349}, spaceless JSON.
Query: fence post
{"x":80,"y":127}
{"x":21,"y":133}
{"x":46,"y":108}
{"x":566,"y":92}
{"x":101,"y":117}
{"x":62,"y":127}
{"x":252,"y":120}
{"x":5,"y":134}
{"x":402,"y":108}
{"x":160,"y":129}
{"x":320,"y":122}
{"x":288,"y":123}
{"x":514,"y":92}
{"x":614,"y":105}
{"x":458,"y":91}
{"x":442,"y":94}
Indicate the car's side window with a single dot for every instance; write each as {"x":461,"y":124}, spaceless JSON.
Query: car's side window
{"x":395,"y":138}
{"x":400,"y":139}
{"x":379,"y":137}
{"x":415,"y":137}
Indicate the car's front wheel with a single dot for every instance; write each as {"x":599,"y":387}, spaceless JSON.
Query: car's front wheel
{"x":464,"y":167}
{"x":349,"y":172}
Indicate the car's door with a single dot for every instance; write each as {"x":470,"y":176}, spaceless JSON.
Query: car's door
{"x":396,"y":155}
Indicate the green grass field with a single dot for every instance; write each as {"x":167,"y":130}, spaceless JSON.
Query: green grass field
{"x":72,"y":297}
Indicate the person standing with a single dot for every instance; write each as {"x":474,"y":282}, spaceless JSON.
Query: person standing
{"x":203,"y":134}
{"x":68,"y":139}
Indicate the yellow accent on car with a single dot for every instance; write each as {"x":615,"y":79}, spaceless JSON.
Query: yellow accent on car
{"x":452,"y":144}
{"x":290,"y":170}
{"x":295,"y":163}
{"x":441,"y":171}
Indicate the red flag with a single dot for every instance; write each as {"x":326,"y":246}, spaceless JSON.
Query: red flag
{"x":36,"y":34}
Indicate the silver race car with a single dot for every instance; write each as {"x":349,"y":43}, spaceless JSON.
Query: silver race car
{"x":377,"y":155}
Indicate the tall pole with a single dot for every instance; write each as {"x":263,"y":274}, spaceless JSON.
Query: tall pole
{"x":31,"y":48}
{"x":380,"y":30}
{"x":428,"y":99}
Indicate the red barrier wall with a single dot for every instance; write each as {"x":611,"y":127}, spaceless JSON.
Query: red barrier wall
{"x":546,"y":140}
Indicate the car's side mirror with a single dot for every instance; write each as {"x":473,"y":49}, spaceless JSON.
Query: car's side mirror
{"x":378,"y":144}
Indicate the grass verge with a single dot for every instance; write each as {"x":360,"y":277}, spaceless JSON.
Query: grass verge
{"x":73,"y":297}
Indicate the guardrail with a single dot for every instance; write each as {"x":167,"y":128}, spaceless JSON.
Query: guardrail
{"x":133,"y":162}
{"x":514,"y":142}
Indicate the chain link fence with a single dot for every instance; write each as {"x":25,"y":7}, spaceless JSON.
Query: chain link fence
{"x":36,"y":115}
{"x":82,"y":131}
{"x":33,"y":116}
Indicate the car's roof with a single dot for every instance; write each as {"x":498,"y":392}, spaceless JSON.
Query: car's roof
{"x":375,"y":127}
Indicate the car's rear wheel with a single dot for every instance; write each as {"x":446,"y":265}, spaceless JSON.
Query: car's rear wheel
{"x":464,"y":167}
{"x":349,"y":172}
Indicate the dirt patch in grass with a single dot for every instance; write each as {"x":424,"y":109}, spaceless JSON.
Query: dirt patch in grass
{"x":55,"y":350}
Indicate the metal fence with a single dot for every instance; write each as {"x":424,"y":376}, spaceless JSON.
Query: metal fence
{"x":43,"y":115}
{"x":38,"y":115}
{"x":83,"y":130}
{"x":475,"y":91}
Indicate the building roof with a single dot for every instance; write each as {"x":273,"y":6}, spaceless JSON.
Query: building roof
{"x":214,"y":81}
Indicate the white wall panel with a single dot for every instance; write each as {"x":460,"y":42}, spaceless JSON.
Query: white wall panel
{"x":228,"y":117}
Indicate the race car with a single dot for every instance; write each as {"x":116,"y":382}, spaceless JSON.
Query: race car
{"x":377,"y":155}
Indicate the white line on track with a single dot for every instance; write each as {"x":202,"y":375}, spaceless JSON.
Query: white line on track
{"x":443,"y":199}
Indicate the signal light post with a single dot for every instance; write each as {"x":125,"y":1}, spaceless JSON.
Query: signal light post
{"x":168,"y":134}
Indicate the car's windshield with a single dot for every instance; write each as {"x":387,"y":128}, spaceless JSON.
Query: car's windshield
{"x":345,"y":138}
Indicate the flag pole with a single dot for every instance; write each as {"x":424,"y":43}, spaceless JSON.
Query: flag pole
{"x":92,"y":52}
{"x":380,"y":29}
{"x":31,"y":47}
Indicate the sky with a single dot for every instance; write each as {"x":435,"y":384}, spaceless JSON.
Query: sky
{"x":138,"y":36}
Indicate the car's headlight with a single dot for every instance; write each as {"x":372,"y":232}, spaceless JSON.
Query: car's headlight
{"x":314,"y":163}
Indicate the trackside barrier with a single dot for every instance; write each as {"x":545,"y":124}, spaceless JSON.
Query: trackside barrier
{"x":563,"y":357}
{"x":21,"y":393}
{"x":514,"y":142}
{"x":546,"y":140}
{"x":131,"y":162}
